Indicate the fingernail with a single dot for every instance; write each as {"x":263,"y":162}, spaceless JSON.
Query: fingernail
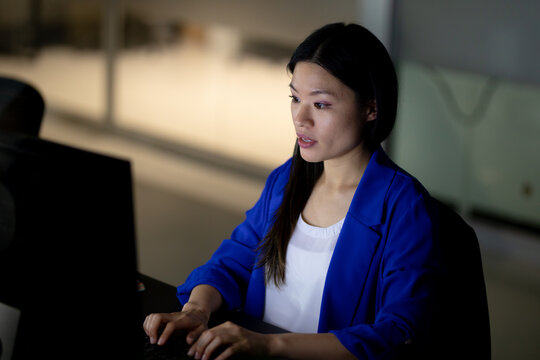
{"x":160,"y":342}
{"x":197,"y":356}
{"x":190,"y":352}
{"x":152,"y":340}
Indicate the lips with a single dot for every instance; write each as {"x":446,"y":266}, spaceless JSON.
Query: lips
{"x":305,"y":142}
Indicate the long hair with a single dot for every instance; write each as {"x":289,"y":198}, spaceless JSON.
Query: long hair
{"x":358,"y":59}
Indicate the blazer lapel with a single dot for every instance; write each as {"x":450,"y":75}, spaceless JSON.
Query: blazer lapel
{"x":356,"y":246}
{"x":347,"y":274}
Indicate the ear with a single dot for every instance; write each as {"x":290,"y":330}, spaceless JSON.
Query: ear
{"x":371,"y":110}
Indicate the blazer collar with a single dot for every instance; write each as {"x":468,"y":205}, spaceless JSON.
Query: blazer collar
{"x":367,"y":205}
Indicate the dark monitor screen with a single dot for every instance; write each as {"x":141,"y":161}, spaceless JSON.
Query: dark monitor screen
{"x":67,"y":246}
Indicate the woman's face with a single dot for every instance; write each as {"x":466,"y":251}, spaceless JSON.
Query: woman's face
{"x":326,"y":115}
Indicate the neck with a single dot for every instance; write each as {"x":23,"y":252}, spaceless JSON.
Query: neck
{"x":346,"y":171}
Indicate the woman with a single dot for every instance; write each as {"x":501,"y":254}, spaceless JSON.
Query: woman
{"x":340,"y":248}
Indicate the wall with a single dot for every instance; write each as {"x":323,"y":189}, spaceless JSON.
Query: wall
{"x":469,"y":118}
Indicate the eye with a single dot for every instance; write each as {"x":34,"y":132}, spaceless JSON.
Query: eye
{"x":320,"y":106}
{"x":294,"y":99}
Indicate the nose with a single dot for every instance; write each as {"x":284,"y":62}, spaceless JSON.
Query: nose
{"x":301,"y":115}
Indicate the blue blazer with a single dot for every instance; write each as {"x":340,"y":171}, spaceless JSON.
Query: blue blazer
{"x":380,"y":286}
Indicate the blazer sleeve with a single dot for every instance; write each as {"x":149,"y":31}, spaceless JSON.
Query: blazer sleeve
{"x":408,"y":274}
{"x":229,"y":269}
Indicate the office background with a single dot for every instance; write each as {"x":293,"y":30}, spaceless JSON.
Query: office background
{"x":195,"y":94}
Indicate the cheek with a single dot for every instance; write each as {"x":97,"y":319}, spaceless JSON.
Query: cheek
{"x":349,"y":133}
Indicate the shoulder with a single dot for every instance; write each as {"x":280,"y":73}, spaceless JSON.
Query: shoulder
{"x":278,"y":178}
{"x":402,"y":186}
{"x":271,"y":195}
{"x":408,"y":191}
{"x":385,"y":191}
{"x":411,"y":211}
{"x":407,"y":186}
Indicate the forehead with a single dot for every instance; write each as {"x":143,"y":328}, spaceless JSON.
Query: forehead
{"x":310,"y":77}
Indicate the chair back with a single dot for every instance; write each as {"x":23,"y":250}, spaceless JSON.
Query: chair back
{"x":461,"y":323}
{"x":21,"y":107}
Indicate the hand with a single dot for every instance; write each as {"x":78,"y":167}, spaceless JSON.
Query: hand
{"x":193,"y":320}
{"x":232,"y":339}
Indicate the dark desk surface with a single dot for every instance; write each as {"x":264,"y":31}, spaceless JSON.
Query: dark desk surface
{"x":161,"y":297}
{"x":157,"y":296}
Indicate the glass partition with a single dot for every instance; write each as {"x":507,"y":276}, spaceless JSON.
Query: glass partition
{"x":207,"y":75}
{"x":204,"y":86}
{"x":468,"y":119}
{"x":211,"y":74}
{"x":471,"y":139}
{"x":56,"y":46}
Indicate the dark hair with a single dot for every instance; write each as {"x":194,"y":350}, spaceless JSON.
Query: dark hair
{"x":358,"y":59}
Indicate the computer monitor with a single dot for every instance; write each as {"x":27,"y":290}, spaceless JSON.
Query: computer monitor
{"x":67,"y":250}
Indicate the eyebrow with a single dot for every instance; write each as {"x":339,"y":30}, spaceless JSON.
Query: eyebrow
{"x":316,"y":91}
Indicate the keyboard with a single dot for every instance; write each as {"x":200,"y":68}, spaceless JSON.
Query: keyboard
{"x":175,"y":348}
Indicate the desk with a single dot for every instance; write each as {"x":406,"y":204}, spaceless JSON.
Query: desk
{"x":159,"y":297}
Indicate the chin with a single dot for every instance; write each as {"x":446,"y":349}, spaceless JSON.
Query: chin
{"x":311,"y":158}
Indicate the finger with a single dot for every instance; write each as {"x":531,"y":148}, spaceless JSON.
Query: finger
{"x":156,"y":323}
{"x":147,"y":321}
{"x":194,"y":334}
{"x":227,"y":353}
{"x":151,"y":326}
{"x":197,"y":349}
{"x":212,"y":346}
{"x":167,"y":332}
{"x":145,"y":324}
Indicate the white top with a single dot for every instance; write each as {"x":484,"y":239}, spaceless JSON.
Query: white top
{"x":296,"y":305}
